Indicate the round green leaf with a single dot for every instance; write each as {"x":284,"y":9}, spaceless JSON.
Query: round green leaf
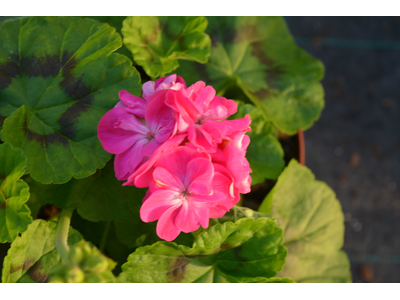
{"x":58,"y":77}
{"x":245,"y":249}
{"x":158,"y":42}
{"x":15,"y":215}
{"x":34,"y":253}
{"x":313,"y":222}
{"x":259,"y":55}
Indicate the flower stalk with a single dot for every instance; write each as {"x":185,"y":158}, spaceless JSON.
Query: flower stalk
{"x":62,"y":234}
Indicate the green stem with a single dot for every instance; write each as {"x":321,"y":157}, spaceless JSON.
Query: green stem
{"x":62,"y":234}
{"x":105,"y":235}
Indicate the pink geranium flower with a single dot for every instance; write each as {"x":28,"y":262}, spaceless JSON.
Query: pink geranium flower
{"x":122,"y":133}
{"x":172,"y":82}
{"x":201,"y":114}
{"x":185,"y":189}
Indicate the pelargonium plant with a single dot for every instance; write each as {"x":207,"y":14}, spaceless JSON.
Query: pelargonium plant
{"x":158,"y":157}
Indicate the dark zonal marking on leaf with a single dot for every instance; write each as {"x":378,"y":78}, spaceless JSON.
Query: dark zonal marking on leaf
{"x":36,"y":273}
{"x":53,"y":138}
{"x":238,"y":253}
{"x":177,"y":271}
{"x":167,"y":32}
{"x":73,"y":86}
{"x":246,"y":32}
{"x":66,"y":56}
{"x":8,"y":71}
{"x":226,"y":246}
{"x":259,"y":52}
{"x":28,"y":263}
{"x":15,"y":269}
{"x":263,"y":94}
{"x":46,"y":66}
{"x":3,"y":205}
{"x":68,"y":119}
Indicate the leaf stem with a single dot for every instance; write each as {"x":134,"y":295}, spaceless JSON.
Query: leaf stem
{"x":62,"y":234}
{"x":105,"y":236}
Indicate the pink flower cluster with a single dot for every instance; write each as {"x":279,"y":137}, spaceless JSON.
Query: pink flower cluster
{"x":175,"y":141}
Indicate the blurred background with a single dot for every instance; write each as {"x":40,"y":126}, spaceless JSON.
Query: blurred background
{"x":355,"y":145}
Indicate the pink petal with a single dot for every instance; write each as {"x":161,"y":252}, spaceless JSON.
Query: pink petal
{"x":204,"y":98}
{"x":148,"y":88}
{"x":201,"y":138}
{"x":195,"y":89}
{"x":199,"y":174}
{"x":166,"y":228}
{"x":158,"y":203}
{"x":165,"y":180}
{"x":185,"y":219}
{"x":150,"y":147}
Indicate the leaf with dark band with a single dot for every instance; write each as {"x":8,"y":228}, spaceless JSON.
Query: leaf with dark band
{"x":15,"y":215}
{"x":58,"y":77}
{"x":259,"y":55}
{"x":228,"y":252}
{"x":158,"y":42}
{"x":34,"y":253}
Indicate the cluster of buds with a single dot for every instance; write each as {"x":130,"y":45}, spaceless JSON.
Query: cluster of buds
{"x":85,"y":264}
{"x":177,"y":142}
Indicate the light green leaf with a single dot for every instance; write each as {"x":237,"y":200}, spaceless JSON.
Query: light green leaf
{"x":34,"y":253}
{"x":245,"y":249}
{"x":259,"y":55}
{"x":15,"y":216}
{"x":58,"y":77}
{"x":100,"y":197}
{"x":265,"y":153}
{"x":313,"y":222}
{"x":158,"y":42}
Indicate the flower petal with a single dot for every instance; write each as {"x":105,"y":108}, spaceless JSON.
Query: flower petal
{"x":135,"y":105}
{"x":168,"y":181}
{"x":199,"y":174}
{"x":158,"y":203}
{"x":166,"y":228}
{"x":126,"y":163}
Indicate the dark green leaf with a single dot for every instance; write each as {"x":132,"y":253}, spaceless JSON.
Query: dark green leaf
{"x":245,"y":249}
{"x":313,"y":222}
{"x":100,"y":197}
{"x":158,"y":42}
{"x":259,"y":55}
{"x":15,"y":216}
{"x":34,"y":253}
{"x":58,"y":77}
{"x":265,"y":153}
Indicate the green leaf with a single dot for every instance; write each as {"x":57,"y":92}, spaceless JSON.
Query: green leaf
{"x":313,"y":222}
{"x":259,"y":55}
{"x":158,"y":42}
{"x":34,"y":253}
{"x":58,"y":77}
{"x":100,"y":197}
{"x":228,"y":252}
{"x":265,"y":153}
{"x":15,"y":216}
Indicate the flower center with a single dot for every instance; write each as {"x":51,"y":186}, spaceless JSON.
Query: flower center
{"x":185,"y":194}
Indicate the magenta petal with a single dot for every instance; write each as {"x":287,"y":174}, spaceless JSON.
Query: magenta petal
{"x":127,"y":162}
{"x":148,"y":88}
{"x":199,"y":174}
{"x":158,"y":203}
{"x":115,"y":139}
{"x":151,"y":146}
{"x":166,"y":228}
{"x":135,"y":105}
{"x":144,"y":175}
{"x":164,"y":179}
